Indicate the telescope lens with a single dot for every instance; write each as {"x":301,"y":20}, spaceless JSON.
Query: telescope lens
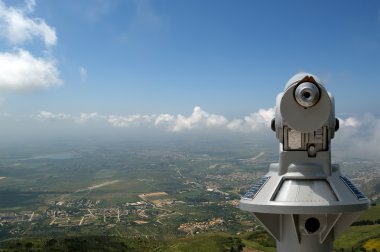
{"x":307,"y":94}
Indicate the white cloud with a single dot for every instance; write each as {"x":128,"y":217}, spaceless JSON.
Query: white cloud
{"x":260,"y":119}
{"x":349,"y":122}
{"x":20,"y":70}
{"x":126,"y":121}
{"x":197,"y":119}
{"x":254,"y":122}
{"x":17,"y":28}
{"x":83,"y":74}
{"x":163,"y":119}
{"x":49,"y":116}
{"x":85,"y":117}
{"x":29,"y":5}
{"x":358,"y":137}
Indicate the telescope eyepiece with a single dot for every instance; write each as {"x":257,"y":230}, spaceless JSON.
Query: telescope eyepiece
{"x":307,"y":94}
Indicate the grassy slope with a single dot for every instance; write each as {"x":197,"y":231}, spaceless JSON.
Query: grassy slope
{"x":356,"y":235}
{"x":353,"y":237}
{"x":371,"y":214}
{"x":215,"y":242}
{"x":211,"y":242}
{"x":91,"y":243}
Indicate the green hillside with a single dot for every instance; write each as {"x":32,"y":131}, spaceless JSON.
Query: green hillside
{"x":371,"y":214}
{"x":356,"y":236}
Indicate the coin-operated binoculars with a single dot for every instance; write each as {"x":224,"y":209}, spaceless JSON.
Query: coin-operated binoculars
{"x":304,"y":201}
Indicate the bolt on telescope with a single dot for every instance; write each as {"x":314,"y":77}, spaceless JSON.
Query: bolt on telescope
{"x":304,"y":201}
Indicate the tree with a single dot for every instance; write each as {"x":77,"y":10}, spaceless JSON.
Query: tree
{"x":28,"y":245}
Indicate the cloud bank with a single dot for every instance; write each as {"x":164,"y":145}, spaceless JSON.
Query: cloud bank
{"x":198,"y":119}
{"x":358,"y":136}
{"x":48,"y":116}
{"x":19,"y":68}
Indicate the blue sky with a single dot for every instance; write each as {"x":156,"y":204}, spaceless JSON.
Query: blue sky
{"x":141,"y":58}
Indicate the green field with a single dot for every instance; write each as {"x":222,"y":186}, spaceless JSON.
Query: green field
{"x":355,"y":236}
{"x":371,"y":214}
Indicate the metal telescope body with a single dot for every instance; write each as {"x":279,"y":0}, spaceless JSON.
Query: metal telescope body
{"x":304,"y":201}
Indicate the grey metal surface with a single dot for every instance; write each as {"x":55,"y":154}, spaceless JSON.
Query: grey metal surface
{"x":300,"y":190}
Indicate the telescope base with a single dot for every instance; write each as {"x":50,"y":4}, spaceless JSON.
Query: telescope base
{"x":294,"y":241}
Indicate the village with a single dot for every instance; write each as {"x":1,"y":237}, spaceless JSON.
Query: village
{"x":152,"y":208}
